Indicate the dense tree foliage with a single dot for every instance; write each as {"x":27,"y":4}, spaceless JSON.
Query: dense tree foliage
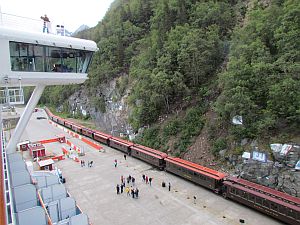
{"x":178,"y":53}
{"x":262,"y":80}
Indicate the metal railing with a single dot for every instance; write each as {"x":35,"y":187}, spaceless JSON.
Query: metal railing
{"x":9,"y":207}
{"x":12,"y":96}
{"x":29,"y":24}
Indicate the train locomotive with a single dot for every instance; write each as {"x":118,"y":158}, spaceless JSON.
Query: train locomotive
{"x":279,"y":205}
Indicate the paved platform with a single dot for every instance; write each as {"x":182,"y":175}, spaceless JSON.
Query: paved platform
{"x":95,"y":190}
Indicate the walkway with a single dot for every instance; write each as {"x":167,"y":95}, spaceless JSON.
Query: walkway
{"x":95,"y":190}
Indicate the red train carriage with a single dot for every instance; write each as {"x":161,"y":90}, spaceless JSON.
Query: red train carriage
{"x":61,"y":121}
{"x":68,"y":124}
{"x":269,"y":201}
{"x":77,"y":128}
{"x":120,"y":144}
{"x":87,"y":132}
{"x":149,"y":155}
{"x":55,"y":119}
{"x":201,"y":175}
{"x":101,"y":137}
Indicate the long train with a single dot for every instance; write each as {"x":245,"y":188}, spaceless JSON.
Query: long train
{"x":274,"y":203}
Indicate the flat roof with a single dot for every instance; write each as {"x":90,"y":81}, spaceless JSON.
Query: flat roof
{"x":45,"y":162}
{"x":197,"y":168}
{"x":264,"y":196}
{"x":153,"y":151}
{"x":261,"y":188}
{"x":47,"y":39}
{"x":120,"y":140}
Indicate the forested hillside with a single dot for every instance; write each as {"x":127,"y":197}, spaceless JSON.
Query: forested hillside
{"x":182,"y":60}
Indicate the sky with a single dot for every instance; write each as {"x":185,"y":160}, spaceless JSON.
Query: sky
{"x":70,"y":13}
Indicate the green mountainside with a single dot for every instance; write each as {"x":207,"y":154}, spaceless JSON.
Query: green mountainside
{"x":197,"y":64}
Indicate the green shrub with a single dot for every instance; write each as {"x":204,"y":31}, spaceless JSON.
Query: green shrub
{"x":172,"y":128}
{"x":219,"y":145}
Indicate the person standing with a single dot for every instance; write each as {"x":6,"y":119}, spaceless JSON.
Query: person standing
{"x":143,"y":176}
{"x":169,"y":186}
{"x":137,"y":193}
{"x":127,"y":191}
{"x":132,"y":192}
{"x":121,"y":187}
{"x":46,"y":23}
{"x":146,"y":179}
{"x":118,"y":189}
{"x":125,"y":156}
{"x":150,"y":180}
{"x":116,"y":163}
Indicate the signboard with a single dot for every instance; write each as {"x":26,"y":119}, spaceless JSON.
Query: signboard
{"x":259,"y":156}
{"x":285,"y":149}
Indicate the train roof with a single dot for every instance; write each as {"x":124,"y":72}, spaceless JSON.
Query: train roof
{"x":99,"y":133}
{"x":264,"y":189}
{"x":263,"y":195}
{"x":121,"y":140}
{"x":153,"y":151}
{"x":76,"y":125}
{"x":46,"y":39}
{"x":197,"y":168}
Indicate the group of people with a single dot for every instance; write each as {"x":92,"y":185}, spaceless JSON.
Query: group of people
{"x":147,"y":179}
{"x":82,"y":163}
{"x":130,"y":191}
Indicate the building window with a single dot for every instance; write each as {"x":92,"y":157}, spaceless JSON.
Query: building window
{"x":40,"y":58}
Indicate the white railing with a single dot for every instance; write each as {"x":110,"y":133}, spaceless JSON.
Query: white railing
{"x":10,"y":218}
{"x":28,"y":24}
{"x":12,"y":96}
{"x":21,"y":23}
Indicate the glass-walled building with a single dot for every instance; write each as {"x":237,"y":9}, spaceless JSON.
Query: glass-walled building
{"x":40,"y":58}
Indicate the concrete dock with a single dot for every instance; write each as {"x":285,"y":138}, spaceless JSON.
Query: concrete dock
{"x":95,"y":189}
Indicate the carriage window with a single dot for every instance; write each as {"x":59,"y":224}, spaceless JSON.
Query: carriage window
{"x":232,"y":190}
{"x":244,"y":195}
{"x":266,"y":203}
{"x":291,"y":213}
{"x":251,"y":198}
{"x":274,"y":206}
{"x":258,"y":200}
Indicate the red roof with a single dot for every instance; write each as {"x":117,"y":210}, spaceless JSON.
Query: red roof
{"x":147,"y":149}
{"x":87,"y":129}
{"x":69,"y":122}
{"x":262,"y":195}
{"x":100,"y":134}
{"x":36,"y":146}
{"x":267,"y":190}
{"x":122,"y":141}
{"x":149,"y":153}
{"x":197,"y":168}
{"x":77,"y":126}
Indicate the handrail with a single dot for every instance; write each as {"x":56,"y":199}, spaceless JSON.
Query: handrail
{"x":3,"y":217}
{"x":44,"y":207}
{"x":9,"y":206}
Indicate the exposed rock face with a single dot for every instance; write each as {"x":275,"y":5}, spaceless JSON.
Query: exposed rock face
{"x":114,"y":119}
{"x":274,"y":175}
